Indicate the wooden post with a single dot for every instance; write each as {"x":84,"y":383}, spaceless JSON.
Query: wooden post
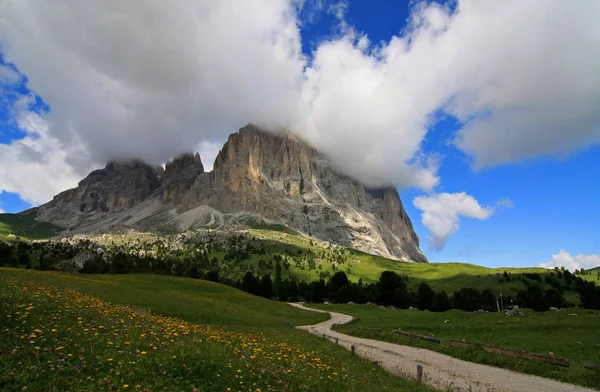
{"x":323,"y":336}
{"x":420,"y":373}
{"x":353,"y":349}
{"x":337,"y":341}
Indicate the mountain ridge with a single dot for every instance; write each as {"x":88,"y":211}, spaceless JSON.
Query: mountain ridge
{"x":257,"y":177}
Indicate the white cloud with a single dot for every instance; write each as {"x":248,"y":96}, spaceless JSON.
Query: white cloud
{"x":441,"y":214}
{"x":169,"y":75}
{"x":38,"y":166}
{"x":564,"y":259}
{"x":163,"y":77}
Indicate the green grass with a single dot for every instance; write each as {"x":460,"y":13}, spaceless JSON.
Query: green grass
{"x":440,"y":276}
{"x":274,"y":227}
{"x":576,"y":338}
{"x":25,"y":226}
{"x":359,"y":265}
{"x":144,"y":332}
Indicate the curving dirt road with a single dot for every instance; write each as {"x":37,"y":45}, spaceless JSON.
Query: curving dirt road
{"x":439,"y":371}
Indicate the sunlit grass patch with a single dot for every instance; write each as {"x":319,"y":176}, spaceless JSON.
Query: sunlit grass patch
{"x":55,"y":337}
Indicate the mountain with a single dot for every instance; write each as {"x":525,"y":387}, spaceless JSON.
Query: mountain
{"x":257,"y":178}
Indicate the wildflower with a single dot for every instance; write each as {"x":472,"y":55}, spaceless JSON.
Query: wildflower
{"x":125,"y":386}
{"x":144,"y":353}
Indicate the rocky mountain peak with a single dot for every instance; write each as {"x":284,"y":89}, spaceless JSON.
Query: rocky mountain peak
{"x":179,"y":176}
{"x":281,"y":178}
{"x":257,"y":177}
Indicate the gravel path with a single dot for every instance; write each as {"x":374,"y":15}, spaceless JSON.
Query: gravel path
{"x":439,"y":371}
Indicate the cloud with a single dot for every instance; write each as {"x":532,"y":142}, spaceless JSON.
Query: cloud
{"x":8,"y":76}
{"x":38,"y":166}
{"x":441,"y":214}
{"x":564,"y":259}
{"x":163,"y":77}
{"x":521,"y":75}
{"x":208,"y":153}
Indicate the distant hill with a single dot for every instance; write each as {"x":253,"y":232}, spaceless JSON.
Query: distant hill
{"x":24,"y":225}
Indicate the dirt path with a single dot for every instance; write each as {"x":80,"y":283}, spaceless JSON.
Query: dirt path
{"x":439,"y":371}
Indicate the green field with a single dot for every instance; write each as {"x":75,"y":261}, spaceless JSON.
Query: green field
{"x":25,"y":226}
{"x":440,"y":276}
{"x":576,"y":338}
{"x":144,"y":332}
{"x":309,"y":260}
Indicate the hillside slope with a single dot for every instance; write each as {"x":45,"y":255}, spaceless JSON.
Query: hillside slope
{"x":25,"y":225}
{"x":260,"y":251}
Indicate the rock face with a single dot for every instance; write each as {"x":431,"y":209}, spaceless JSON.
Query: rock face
{"x":116,"y":188}
{"x":257,"y":176}
{"x":283,"y":179}
{"x":179,"y":176}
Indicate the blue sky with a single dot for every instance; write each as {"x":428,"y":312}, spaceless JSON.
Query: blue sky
{"x":504,"y":159}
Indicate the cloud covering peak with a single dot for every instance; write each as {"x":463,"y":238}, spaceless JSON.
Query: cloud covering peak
{"x":150,"y":79}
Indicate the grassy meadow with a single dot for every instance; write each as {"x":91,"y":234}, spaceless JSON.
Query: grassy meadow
{"x":146,"y":333}
{"x":440,"y":276}
{"x":25,"y":226}
{"x":308,"y":260}
{"x":576,"y":338}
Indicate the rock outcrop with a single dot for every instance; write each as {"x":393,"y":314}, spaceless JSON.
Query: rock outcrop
{"x":118,"y":187}
{"x":283,"y":179}
{"x":257,"y":176}
{"x":179,"y":176}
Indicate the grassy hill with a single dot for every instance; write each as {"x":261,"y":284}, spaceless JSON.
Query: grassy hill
{"x":304,"y":259}
{"x":570,"y":333}
{"x":144,"y":332}
{"x":359,"y":265}
{"x":24,"y":225}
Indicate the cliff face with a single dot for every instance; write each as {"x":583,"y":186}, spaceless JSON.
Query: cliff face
{"x":116,"y":188}
{"x":277,"y":178}
{"x":180,"y":174}
{"x":283,"y":179}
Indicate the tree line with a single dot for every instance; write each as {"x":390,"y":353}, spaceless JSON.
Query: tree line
{"x":391,"y":289}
